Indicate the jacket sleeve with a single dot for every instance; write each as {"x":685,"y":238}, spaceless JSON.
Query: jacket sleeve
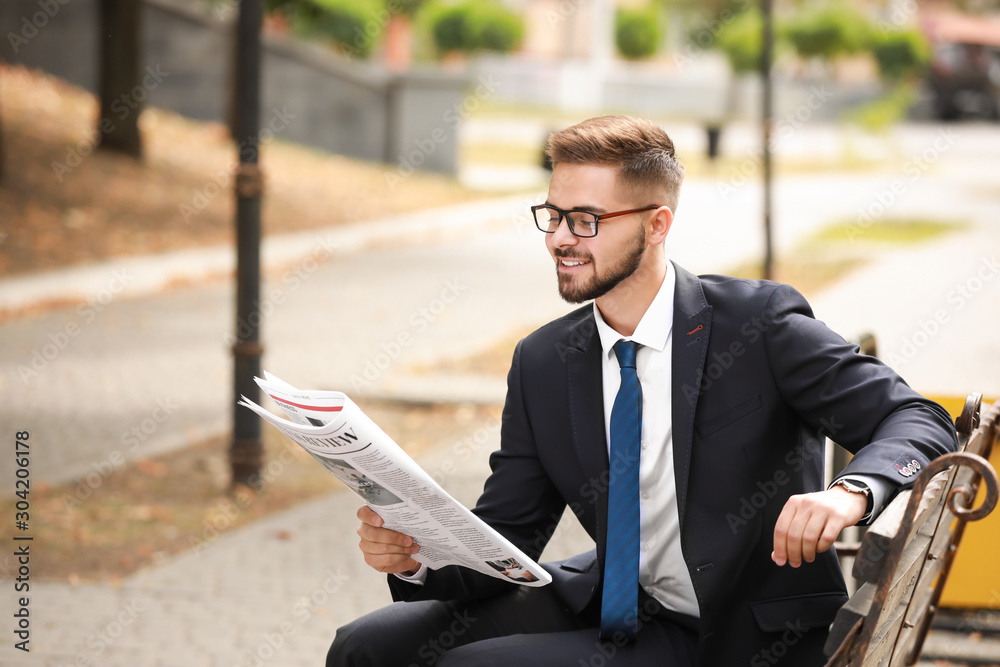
{"x":855,"y":399}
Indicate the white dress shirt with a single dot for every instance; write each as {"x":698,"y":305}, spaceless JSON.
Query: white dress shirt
{"x":662,"y":570}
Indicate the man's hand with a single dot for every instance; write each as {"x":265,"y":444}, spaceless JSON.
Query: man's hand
{"x":809,"y":523}
{"x":385,"y":550}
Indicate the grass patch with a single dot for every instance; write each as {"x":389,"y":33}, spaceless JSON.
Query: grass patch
{"x":884,"y":112}
{"x":808,"y":272}
{"x":154,"y":508}
{"x":492,"y":360}
{"x":823,"y":258}
{"x":891,"y":230}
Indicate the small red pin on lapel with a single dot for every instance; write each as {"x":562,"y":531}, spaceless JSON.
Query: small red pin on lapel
{"x":696,"y":329}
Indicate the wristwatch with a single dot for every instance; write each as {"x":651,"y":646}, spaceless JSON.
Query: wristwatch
{"x":854,"y":486}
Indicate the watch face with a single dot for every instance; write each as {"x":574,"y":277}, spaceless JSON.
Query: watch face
{"x":852,"y":486}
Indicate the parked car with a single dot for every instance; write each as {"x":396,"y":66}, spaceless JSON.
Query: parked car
{"x":964,"y":76}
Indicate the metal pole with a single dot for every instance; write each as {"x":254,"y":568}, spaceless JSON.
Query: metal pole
{"x":120,"y":52}
{"x":246,"y":450}
{"x":766,"y":95}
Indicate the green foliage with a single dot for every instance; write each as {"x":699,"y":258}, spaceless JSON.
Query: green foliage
{"x":637,"y":32}
{"x":451,"y":28}
{"x":828,"y":31}
{"x":406,"y":7}
{"x":355,"y":26}
{"x":740,"y":40}
{"x":499,"y":28}
{"x":900,"y":54}
{"x":473,"y":25}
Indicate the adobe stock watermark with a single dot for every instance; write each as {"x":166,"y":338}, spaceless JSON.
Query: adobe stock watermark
{"x":914,"y":167}
{"x":900,"y":15}
{"x":432,"y":650}
{"x":115,"y":460}
{"x":302,"y":611}
{"x":773,"y":654}
{"x":419,"y":321}
{"x":103,"y":639}
{"x":60,"y":339}
{"x":464,"y":448}
{"x":122,"y":107}
{"x":291,"y":280}
{"x":426,"y":146}
{"x":30,"y":27}
{"x":605,"y":650}
{"x":227,"y":511}
{"x":752,"y":331}
{"x":784,"y":127}
{"x":795,"y":460}
{"x":223,"y":178}
{"x":958,"y":297}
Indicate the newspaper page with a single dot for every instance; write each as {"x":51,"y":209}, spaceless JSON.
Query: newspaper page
{"x":331,"y":428}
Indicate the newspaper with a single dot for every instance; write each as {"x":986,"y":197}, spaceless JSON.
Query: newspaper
{"x":335,"y":431}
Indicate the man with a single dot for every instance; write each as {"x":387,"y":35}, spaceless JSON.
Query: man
{"x":682,"y":419}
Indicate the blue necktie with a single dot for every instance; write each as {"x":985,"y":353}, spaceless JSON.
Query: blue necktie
{"x":619,"y":606}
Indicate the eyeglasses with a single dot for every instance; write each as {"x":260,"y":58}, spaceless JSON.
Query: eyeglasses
{"x":581,"y":223}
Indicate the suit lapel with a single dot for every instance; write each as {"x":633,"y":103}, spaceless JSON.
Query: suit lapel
{"x":586,"y":407}
{"x":691,"y":330}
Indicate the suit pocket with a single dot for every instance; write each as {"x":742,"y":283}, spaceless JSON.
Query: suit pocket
{"x":580,"y":563}
{"x":806,"y":611}
{"x":720,"y":420}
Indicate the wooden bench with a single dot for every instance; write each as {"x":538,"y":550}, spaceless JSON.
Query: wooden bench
{"x":905,"y":556}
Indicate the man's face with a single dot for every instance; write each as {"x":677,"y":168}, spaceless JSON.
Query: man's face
{"x":589,"y":268}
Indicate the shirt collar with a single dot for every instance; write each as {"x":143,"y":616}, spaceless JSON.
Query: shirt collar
{"x":654,"y":327}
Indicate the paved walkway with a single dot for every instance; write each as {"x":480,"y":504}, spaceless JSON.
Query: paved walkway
{"x":143,"y":371}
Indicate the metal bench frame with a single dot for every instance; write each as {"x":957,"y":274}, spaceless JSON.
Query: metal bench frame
{"x":905,"y":556}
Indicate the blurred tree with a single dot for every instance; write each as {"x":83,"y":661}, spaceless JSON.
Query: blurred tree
{"x":471,"y":26}
{"x":740,"y":41}
{"x":451,"y":28}
{"x":352,"y":25}
{"x":498,"y":28}
{"x":637,"y":31}
{"x":827,"y":31}
{"x":900,"y":54}
{"x":119,"y":56}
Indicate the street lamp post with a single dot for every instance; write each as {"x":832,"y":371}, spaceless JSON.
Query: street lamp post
{"x":246,"y":449}
{"x":766,"y":56}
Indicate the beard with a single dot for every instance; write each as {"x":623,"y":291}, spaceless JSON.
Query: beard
{"x":575,"y":289}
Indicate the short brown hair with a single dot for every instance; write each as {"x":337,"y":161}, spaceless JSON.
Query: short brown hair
{"x":640,"y":149}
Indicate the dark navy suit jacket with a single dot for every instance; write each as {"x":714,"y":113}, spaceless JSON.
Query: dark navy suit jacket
{"x":757,"y":385}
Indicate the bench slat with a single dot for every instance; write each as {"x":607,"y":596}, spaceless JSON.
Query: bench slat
{"x":880,"y":648}
{"x":854,"y":610}
{"x":875,"y":546}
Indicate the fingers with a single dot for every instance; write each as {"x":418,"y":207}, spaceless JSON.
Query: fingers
{"x":367,"y":515}
{"x":385,"y":550}
{"x":782,"y":529}
{"x":810,"y":523}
